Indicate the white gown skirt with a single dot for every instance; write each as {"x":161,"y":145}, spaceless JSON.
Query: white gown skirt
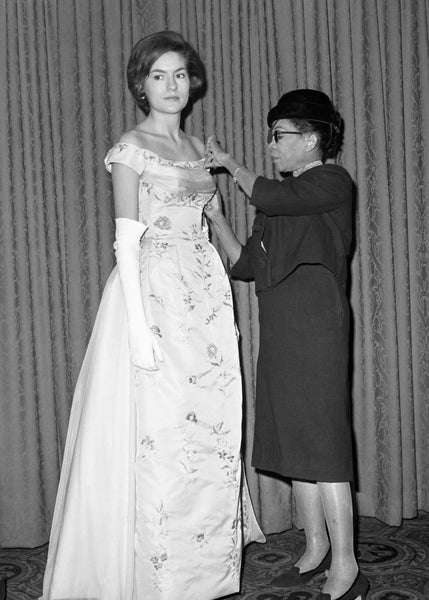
{"x":96,"y":551}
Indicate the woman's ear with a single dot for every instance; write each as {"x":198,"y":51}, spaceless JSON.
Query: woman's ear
{"x":140,"y":91}
{"x":310,"y":142}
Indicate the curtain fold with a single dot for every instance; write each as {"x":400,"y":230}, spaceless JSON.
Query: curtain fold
{"x":64,"y":102}
{"x":389,"y":275}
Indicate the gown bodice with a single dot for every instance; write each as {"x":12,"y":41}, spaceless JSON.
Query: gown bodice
{"x":172,"y":194}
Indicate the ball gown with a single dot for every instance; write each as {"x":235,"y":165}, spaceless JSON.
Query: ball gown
{"x":152,"y":502}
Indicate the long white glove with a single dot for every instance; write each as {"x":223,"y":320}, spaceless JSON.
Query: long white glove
{"x":144,"y":346}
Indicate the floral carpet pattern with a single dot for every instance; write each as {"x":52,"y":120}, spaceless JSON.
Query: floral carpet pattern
{"x":395,"y":560}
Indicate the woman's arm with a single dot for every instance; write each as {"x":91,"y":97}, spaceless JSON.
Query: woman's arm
{"x":145,"y":351}
{"x":316,"y":191}
{"x":226,"y":236}
{"x":125,"y":191}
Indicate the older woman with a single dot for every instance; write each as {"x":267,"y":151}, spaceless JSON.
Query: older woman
{"x":297,"y":256}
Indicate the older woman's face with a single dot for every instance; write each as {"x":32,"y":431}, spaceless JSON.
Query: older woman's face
{"x":289,"y":148}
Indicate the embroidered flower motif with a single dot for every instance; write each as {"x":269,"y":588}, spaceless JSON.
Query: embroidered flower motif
{"x":189,"y":453}
{"x":156,"y":330}
{"x":158,"y":299}
{"x":212,"y":351}
{"x":147,"y":447}
{"x":198,"y":537}
{"x":227,"y":298}
{"x":189,"y":302}
{"x":187,"y":293}
{"x":226,"y":455}
{"x":158,"y":560}
{"x":234,"y":563}
{"x":178,"y":198}
{"x":158,"y":249}
{"x":218,"y":375}
{"x":212,"y":316}
{"x":193,"y":233}
{"x":218,"y":429}
{"x":163,"y":223}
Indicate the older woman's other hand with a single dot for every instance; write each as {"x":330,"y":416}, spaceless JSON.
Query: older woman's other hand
{"x":215,"y":155}
{"x":213,"y":208}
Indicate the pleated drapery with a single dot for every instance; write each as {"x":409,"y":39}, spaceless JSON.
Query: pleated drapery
{"x":63,"y":102}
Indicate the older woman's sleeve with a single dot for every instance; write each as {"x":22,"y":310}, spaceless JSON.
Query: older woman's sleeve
{"x":243,"y":269}
{"x":316,"y":191}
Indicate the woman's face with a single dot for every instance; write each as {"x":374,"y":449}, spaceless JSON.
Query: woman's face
{"x":167,"y":85}
{"x":289,"y":148}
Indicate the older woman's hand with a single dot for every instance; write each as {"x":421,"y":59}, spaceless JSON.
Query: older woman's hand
{"x":215,"y":155}
{"x":213,"y":208}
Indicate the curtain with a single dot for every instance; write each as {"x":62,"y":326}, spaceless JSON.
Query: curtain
{"x":64,"y":102}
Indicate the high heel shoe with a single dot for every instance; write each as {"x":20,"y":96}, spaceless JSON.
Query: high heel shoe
{"x":293,"y":578}
{"x":359,"y":587}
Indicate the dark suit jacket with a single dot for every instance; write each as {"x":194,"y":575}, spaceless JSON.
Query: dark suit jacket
{"x":305,"y":219}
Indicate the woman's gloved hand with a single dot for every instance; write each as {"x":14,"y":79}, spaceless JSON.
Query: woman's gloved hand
{"x":144,"y":346}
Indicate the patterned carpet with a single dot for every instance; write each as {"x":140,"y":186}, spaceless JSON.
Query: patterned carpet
{"x":395,"y":560}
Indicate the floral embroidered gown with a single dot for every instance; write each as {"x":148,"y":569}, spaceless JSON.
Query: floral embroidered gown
{"x":152,"y":502}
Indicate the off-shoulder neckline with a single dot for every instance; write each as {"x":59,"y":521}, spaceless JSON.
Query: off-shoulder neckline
{"x":161,"y":158}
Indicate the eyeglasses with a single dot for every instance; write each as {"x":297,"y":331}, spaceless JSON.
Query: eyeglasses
{"x":277,"y":135}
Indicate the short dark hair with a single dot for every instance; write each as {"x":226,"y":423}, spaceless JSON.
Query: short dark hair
{"x":329,"y":135}
{"x":148,"y":50}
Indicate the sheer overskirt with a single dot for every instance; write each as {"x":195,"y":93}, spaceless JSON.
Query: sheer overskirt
{"x":91,"y":550}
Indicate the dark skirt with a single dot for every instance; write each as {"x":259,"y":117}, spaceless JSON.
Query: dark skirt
{"x":302,"y":427}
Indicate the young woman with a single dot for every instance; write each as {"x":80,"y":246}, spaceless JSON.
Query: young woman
{"x":152,"y":503}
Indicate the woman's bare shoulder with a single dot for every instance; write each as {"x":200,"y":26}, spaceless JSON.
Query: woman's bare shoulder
{"x":197,"y":144}
{"x":190,"y":148}
{"x":137,"y":137}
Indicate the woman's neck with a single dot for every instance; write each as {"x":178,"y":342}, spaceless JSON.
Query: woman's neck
{"x":166,"y":126}
{"x":162,"y":135}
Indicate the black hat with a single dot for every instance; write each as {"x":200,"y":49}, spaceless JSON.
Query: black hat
{"x":311,"y":105}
